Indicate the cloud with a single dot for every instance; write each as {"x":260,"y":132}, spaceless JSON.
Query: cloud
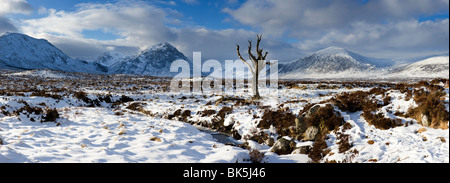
{"x":373,"y":28}
{"x":395,"y":39}
{"x":15,"y":7}
{"x":138,"y":25}
{"x":221,"y":44}
{"x":12,"y":7}
{"x":6,"y":26}
{"x":385,"y":24}
{"x":191,"y":1}
{"x":134,"y":23}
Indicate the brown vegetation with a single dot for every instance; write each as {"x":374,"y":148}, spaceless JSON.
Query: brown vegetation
{"x":430,"y":105}
{"x":281,"y":119}
{"x":325,"y":118}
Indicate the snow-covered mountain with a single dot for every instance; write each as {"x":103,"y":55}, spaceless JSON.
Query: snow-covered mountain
{"x":428,"y":68}
{"x":22,"y":52}
{"x":108,"y":58}
{"x":333,"y":61}
{"x":154,"y":61}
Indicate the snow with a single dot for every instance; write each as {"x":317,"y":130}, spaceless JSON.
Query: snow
{"x":22,"y":52}
{"x":336,"y":62}
{"x":101,"y":134}
{"x":43,"y":73}
{"x":429,"y":68}
{"x":19,"y":51}
{"x":93,"y":135}
{"x":396,"y":145}
{"x":98,"y":134}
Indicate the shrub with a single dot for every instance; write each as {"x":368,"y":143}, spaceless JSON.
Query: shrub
{"x":218,"y":121}
{"x":317,"y":152}
{"x":379,"y":121}
{"x":351,"y":102}
{"x":344,"y":142}
{"x":182,"y":116}
{"x":50,"y":116}
{"x":29,"y":110}
{"x":206,"y":112}
{"x":42,"y":93}
{"x":82,"y":96}
{"x":325,"y":118}
{"x":281,"y":119}
{"x":360,"y":100}
{"x":135,"y":106}
{"x":430,"y":105}
{"x":256,"y":156}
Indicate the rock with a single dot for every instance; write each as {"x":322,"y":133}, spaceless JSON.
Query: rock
{"x":422,"y":129}
{"x":440,"y":138}
{"x":312,"y":110}
{"x":296,"y":151}
{"x":424,"y":120}
{"x":305,"y":149}
{"x":300,"y":124}
{"x":302,"y":150}
{"x":311,"y":133}
{"x":270,"y":141}
{"x":283,"y":146}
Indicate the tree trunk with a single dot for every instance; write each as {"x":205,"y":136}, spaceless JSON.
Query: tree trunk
{"x":255,"y":62}
{"x":255,"y":84}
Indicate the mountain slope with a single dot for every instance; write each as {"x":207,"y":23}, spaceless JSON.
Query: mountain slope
{"x":154,"y":61}
{"x":108,"y":58}
{"x":333,"y":61}
{"x":19,"y":51}
{"x":428,"y":68}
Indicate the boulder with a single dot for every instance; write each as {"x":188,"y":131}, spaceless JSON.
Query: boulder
{"x":283,"y":146}
{"x":270,"y":141}
{"x":311,"y":133}
{"x":302,"y":150}
{"x":312,"y":110}
{"x":424,"y":120}
{"x":300,"y":124}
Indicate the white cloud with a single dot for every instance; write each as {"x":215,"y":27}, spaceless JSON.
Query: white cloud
{"x":371,"y":29}
{"x":191,"y":1}
{"x":15,"y":6}
{"x":135,"y":24}
{"x":394,"y":39}
{"x":375,"y":26}
{"x":6,"y":26}
{"x":139,"y":25}
{"x":12,"y":7}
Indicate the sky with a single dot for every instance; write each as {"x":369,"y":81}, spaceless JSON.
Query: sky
{"x":291,"y":29}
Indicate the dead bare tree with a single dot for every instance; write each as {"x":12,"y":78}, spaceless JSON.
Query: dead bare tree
{"x":258,"y":64}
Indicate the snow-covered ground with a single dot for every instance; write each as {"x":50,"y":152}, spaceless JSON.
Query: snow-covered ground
{"x":109,"y":133}
{"x":97,"y":135}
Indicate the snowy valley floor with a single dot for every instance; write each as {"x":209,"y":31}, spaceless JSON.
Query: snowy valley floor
{"x":105,"y":119}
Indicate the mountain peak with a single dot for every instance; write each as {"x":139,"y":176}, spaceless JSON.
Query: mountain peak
{"x":159,"y":47}
{"x":19,"y":36}
{"x":333,"y":50}
{"x":20,"y":51}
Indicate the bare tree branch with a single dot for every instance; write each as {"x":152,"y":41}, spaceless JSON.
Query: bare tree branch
{"x":239,"y":54}
{"x":265,"y":55}
{"x":250,"y":52}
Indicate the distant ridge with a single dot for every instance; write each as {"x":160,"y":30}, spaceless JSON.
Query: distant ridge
{"x":336,"y":62}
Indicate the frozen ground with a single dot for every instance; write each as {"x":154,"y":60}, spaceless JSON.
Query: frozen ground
{"x":115,"y":132}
